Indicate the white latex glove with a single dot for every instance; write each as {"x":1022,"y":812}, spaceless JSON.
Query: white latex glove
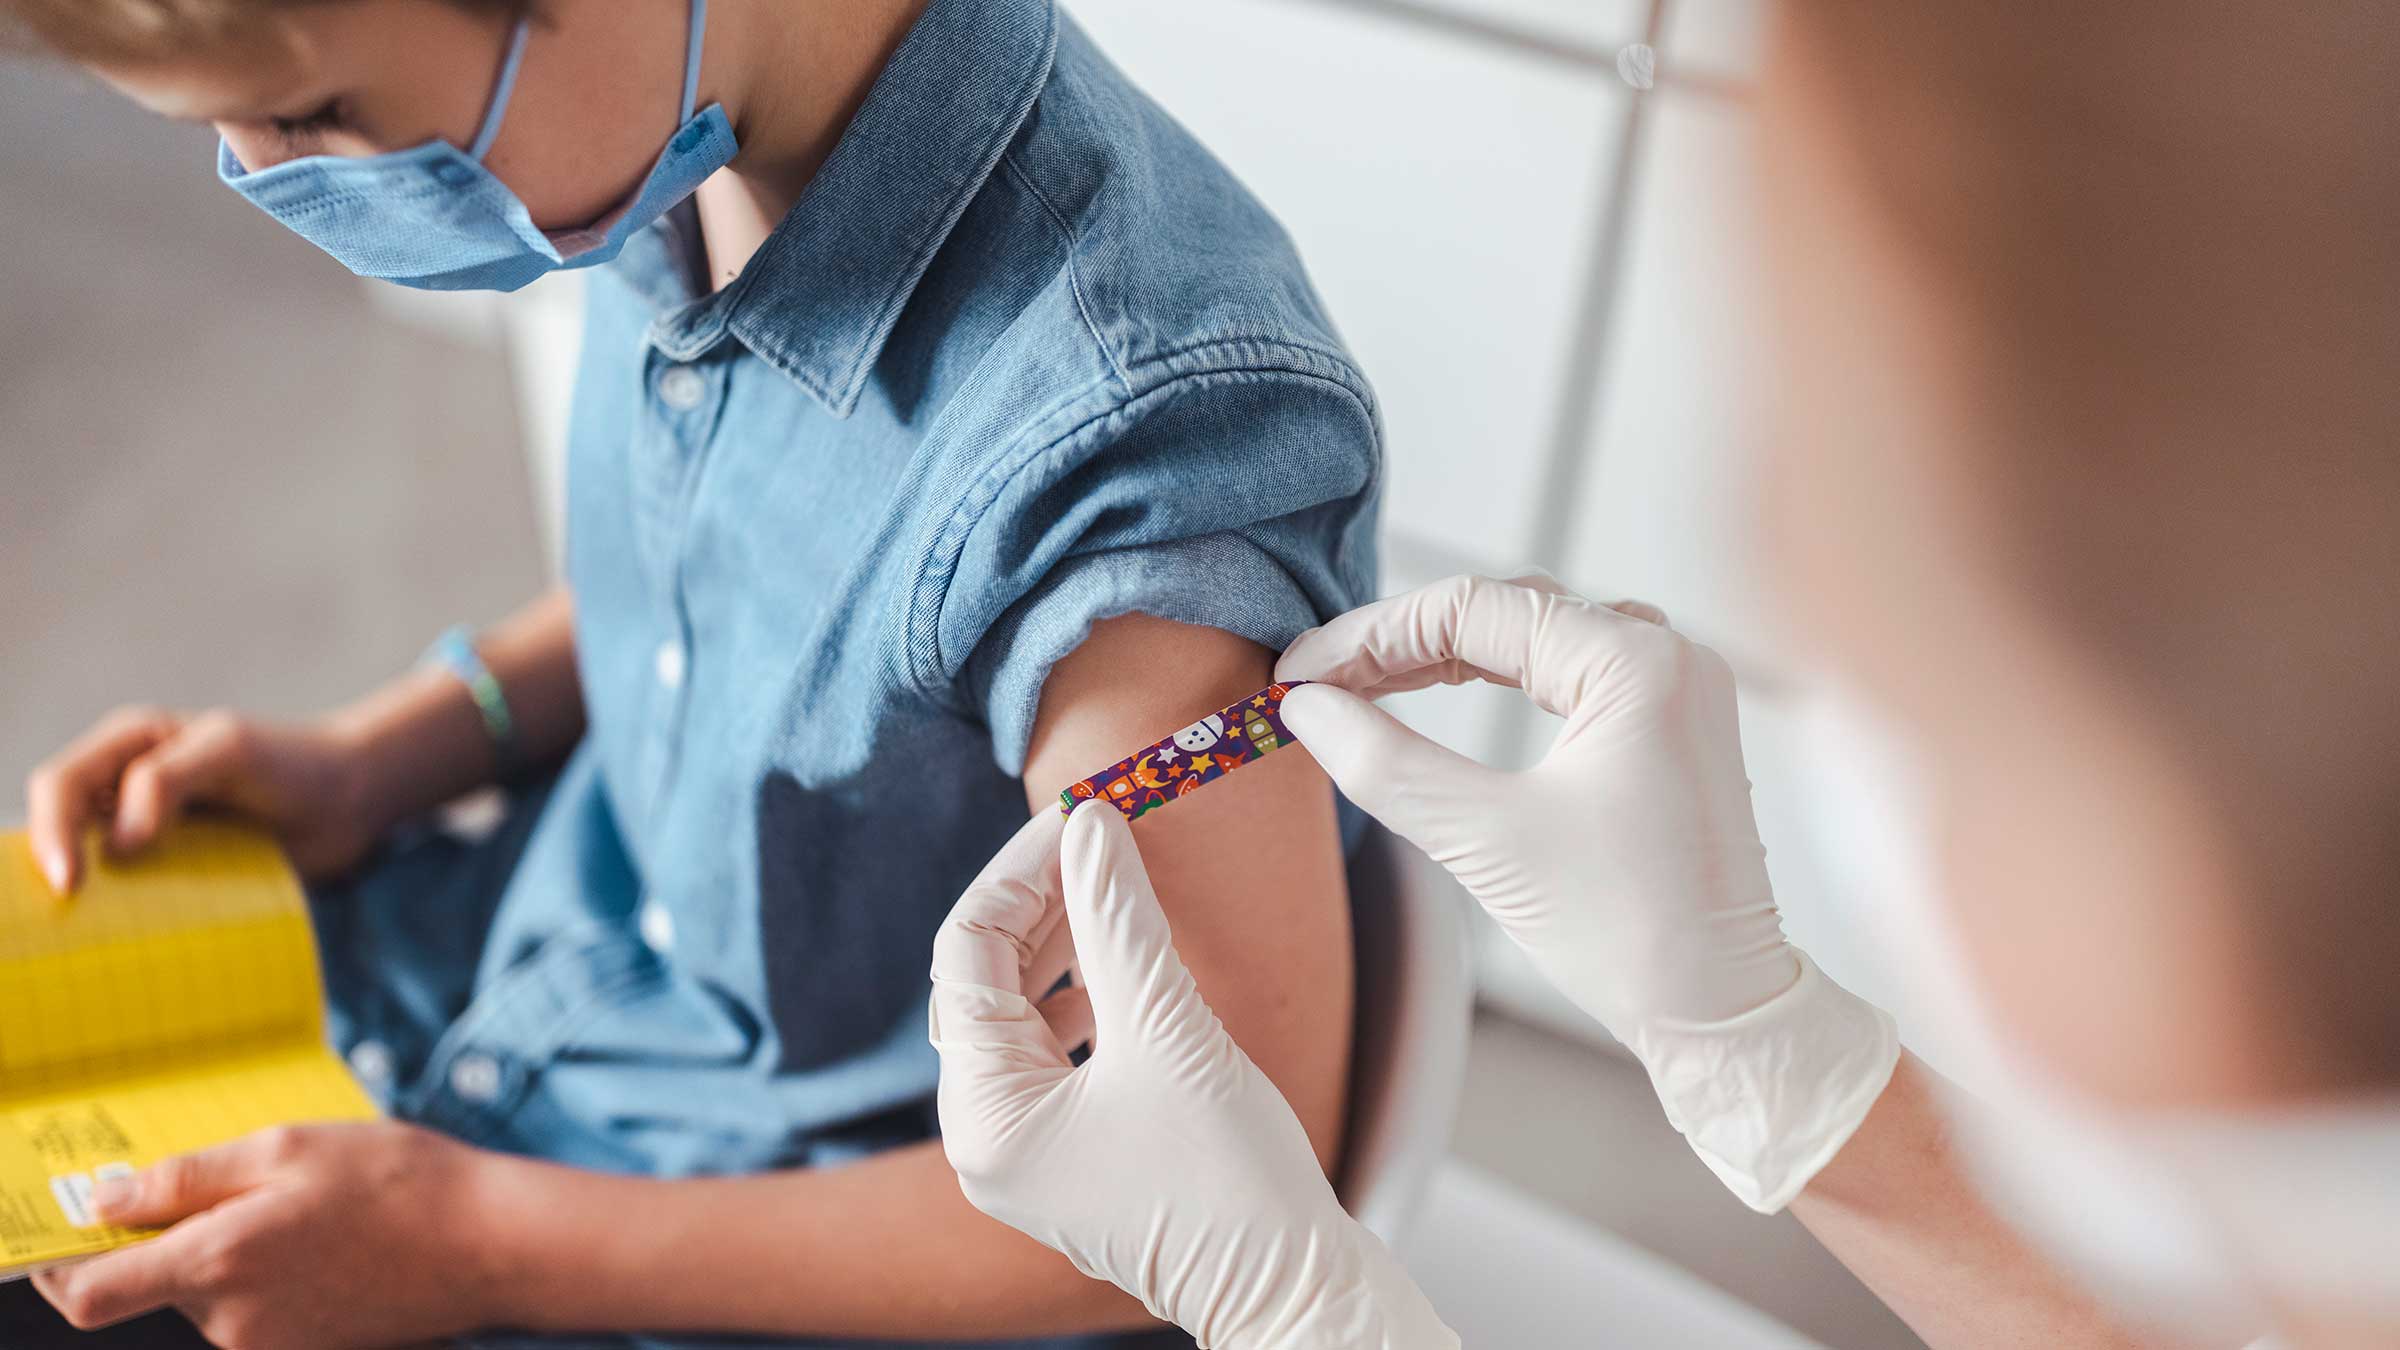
{"x":1626,"y":864}
{"x":1167,"y":1164}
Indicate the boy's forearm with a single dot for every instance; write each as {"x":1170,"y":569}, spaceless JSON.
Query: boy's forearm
{"x":421,"y":741}
{"x":884,"y":1248}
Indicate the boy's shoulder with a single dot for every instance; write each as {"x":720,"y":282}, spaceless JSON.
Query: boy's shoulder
{"x":1153,"y":411}
{"x":1172,"y":266}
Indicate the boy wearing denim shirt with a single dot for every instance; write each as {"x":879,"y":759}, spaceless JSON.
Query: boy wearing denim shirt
{"x":966,"y":427}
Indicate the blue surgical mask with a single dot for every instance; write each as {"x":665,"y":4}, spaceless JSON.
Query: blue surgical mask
{"x":435,"y":218}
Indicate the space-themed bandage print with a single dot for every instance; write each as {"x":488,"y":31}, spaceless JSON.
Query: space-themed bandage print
{"x":1200,"y":754}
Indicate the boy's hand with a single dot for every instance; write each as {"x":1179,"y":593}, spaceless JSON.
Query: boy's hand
{"x":139,"y":768}
{"x":318,"y":1237}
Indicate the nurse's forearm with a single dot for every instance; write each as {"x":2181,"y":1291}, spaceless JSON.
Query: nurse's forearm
{"x":1896,"y":1207}
{"x":883,"y":1248}
{"x":421,"y":739}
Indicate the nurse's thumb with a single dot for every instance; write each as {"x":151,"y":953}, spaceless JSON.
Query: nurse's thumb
{"x":1409,"y":783}
{"x":1140,"y":991}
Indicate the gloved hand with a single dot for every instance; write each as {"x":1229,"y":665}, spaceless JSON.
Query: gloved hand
{"x":1626,"y":864}
{"x":1167,"y":1163}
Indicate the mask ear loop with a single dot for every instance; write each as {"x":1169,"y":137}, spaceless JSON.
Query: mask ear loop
{"x":501,"y":91}
{"x":691,"y":60}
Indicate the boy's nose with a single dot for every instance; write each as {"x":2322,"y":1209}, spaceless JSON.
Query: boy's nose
{"x":253,"y":148}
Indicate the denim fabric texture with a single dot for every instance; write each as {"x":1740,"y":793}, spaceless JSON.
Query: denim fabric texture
{"x":1023,"y":357}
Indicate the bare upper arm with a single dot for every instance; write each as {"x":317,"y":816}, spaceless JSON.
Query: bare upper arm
{"x":1249,"y":870}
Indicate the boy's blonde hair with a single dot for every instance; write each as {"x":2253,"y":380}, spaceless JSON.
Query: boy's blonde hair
{"x":104,"y":31}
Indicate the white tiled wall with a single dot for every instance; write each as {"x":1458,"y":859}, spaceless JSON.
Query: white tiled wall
{"x":1590,"y":25}
{"x":1713,"y":39}
{"x":1442,"y":190}
{"x":1660,"y":506}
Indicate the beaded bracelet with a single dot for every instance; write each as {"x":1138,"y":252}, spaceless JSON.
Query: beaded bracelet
{"x":454,"y":651}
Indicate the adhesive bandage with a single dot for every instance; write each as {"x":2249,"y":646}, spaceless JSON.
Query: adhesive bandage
{"x":1179,"y":765}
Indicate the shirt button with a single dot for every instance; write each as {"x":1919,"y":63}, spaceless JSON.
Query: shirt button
{"x":476,"y":1079}
{"x":372,"y":1062}
{"x":658,"y":928}
{"x":669,"y":663}
{"x":682,"y":388}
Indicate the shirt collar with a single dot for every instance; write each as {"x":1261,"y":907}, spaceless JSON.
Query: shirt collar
{"x":821,"y":295}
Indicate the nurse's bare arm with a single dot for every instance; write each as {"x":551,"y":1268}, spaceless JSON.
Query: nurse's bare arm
{"x":1896,"y":1207}
{"x":1250,"y":872}
{"x":327,"y":787}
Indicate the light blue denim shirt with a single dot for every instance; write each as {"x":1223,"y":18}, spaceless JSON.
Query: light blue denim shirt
{"x":1023,"y":357}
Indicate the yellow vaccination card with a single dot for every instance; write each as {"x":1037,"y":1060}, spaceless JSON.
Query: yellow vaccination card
{"x":173,"y":1003}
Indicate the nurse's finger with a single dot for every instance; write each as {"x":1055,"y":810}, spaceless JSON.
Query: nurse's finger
{"x":1372,"y":650}
{"x":1640,"y":609}
{"x":1531,"y":634}
{"x":1143,"y":999}
{"x":1052,"y":945}
{"x":999,"y":925}
{"x":1410,"y":641}
{"x":993,"y":1043}
{"x":64,"y":795}
{"x":202,"y":756}
{"x":1420,"y":790}
{"x":1000,"y":1059}
{"x":1054,"y":957}
{"x":981,"y":1015}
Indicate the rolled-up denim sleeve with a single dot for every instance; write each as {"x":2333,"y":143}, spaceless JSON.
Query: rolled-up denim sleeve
{"x":1214,"y":581}
{"x":1242,"y":500}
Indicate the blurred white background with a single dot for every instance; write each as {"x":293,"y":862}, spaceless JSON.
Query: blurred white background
{"x":235,"y":475}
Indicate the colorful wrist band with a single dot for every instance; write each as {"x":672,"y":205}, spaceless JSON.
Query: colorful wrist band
{"x":454,"y":651}
{"x":1200,"y":754}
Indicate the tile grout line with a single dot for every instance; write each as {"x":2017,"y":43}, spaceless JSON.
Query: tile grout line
{"x":1533,"y":42}
{"x":1574,"y":427}
{"x":1522,"y":40}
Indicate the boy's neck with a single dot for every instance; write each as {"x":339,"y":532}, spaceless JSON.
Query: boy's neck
{"x":791,"y":76}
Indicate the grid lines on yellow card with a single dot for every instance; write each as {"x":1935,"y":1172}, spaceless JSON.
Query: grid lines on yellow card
{"x":200,"y":949}
{"x":171,"y":1005}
